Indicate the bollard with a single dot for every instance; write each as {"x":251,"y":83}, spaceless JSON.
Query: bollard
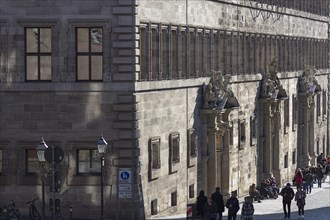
{"x":189,"y":212}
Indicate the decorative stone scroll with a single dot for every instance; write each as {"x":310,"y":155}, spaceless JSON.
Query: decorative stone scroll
{"x":271,"y":86}
{"x":218,"y":94}
{"x":307,"y":81}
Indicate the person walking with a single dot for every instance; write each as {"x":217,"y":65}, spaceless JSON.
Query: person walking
{"x":247,"y":209}
{"x":201,"y":204}
{"x":309,"y":182}
{"x":217,"y":197}
{"x":298,"y":178}
{"x":319,"y":175}
{"x":211,"y":211}
{"x":300,"y":199}
{"x":288,"y":194}
{"x":233,"y":206}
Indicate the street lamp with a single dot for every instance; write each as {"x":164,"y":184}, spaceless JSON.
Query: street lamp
{"x":41,"y":148}
{"x":102,"y":146}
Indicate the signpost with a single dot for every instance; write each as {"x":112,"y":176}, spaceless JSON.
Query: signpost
{"x":124,"y":183}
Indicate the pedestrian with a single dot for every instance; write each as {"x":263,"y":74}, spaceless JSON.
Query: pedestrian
{"x":319,"y":175}
{"x":309,"y":182}
{"x":247,"y":209}
{"x":300,"y":199}
{"x":217,"y":197}
{"x":298,"y":178}
{"x":254,"y":193}
{"x":211,"y":211}
{"x":288,"y":194}
{"x":233,"y":206}
{"x":201,"y":204}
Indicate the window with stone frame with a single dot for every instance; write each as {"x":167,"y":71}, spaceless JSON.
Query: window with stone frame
{"x":175,"y":147}
{"x":253,"y":130}
{"x":89,"y":53}
{"x":154,"y":153}
{"x":191,"y":191}
{"x":286,"y":115}
{"x":1,"y":162}
{"x":31,"y":161}
{"x":38,"y":53}
{"x":192,"y":147}
{"x":318,"y":107}
{"x":294,"y":112}
{"x":231,"y":134}
{"x":154,"y":207}
{"x":286,"y":160}
{"x":174,"y":198}
{"x":241,"y":133}
{"x":88,"y":162}
{"x":324,"y":104}
{"x":294,"y":157}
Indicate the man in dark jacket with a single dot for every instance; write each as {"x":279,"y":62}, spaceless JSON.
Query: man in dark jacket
{"x":233,"y":206}
{"x":288,"y":194}
{"x":201,"y":204}
{"x":218,"y":199}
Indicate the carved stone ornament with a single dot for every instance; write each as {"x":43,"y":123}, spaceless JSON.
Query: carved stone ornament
{"x":218,"y":94}
{"x":271,"y":86}
{"x":307,"y":81}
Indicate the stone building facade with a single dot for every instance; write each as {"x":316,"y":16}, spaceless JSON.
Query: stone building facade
{"x":189,"y":94}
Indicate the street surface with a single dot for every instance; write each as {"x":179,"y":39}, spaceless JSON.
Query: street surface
{"x":317,"y":207}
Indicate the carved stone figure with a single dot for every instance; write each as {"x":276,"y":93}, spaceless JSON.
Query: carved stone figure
{"x":307,"y":81}
{"x":271,"y":86}
{"x":218,"y":92}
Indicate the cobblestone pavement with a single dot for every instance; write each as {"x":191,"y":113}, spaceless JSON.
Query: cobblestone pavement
{"x":317,"y":207}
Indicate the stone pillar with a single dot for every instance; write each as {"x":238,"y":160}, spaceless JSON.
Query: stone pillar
{"x":276,"y":154}
{"x":225,"y":166}
{"x":212,"y":161}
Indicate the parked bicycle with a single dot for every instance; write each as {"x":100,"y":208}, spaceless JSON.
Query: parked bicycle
{"x":11,"y":212}
{"x":33,"y":211}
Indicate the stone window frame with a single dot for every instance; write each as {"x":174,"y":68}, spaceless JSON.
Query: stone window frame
{"x":294,"y":156}
{"x":286,"y":116}
{"x":154,"y":207}
{"x":55,"y":29}
{"x":5,"y":163}
{"x":3,"y":49}
{"x":72,"y":24}
{"x":77,"y":179}
{"x":174,"y":152}
{"x":253,"y":129}
{"x":174,"y":198}
{"x":154,"y":165}
{"x":191,"y":191}
{"x":241,"y":133}
{"x":286,"y":162}
{"x":192,"y":147}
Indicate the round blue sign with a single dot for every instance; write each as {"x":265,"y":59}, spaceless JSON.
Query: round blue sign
{"x":124,"y":175}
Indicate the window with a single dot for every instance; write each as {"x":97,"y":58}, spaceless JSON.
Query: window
{"x":32,"y":162}
{"x":286,"y":115}
{"x":38,"y":54}
{"x":1,"y":162}
{"x":294,"y":112}
{"x":154,"y":210}
{"x":192,"y":143}
{"x":88,"y":161}
{"x":318,"y":107}
{"x":253,"y":130}
{"x":286,"y":160}
{"x":242,"y":134}
{"x":294,"y":157}
{"x":154,"y":158}
{"x":174,"y":198}
{"x":175,"y":147}
{"x":324,"y":104}
{"x":191,"y":191}
{"x":89,"y":49}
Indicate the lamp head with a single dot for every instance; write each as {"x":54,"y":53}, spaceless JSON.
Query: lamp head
{"x":102,"y":145}
{"x":41,"y":148}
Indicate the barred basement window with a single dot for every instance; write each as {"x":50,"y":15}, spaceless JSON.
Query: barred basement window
{"x":38,"y":54}
{"x":175,"y":147}
{"x":174,"y":198}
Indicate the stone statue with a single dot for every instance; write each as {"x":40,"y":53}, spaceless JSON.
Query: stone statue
{"x":271,"y":86}
{"x":307,"y":81}
{"x":218,"y":91}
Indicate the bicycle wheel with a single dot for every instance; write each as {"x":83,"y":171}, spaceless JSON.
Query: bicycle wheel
{"x":36,"y":215}
{"x":17,"y":214}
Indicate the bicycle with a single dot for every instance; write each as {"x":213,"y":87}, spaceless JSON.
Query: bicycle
{"x":11,"y":212}
{"x":33,"y":211}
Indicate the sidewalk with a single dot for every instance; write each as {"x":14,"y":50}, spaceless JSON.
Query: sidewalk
{"x":317,"y":207}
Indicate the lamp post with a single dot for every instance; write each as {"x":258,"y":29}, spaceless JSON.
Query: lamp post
{"x":102,"y":146}
{"x":41,"y":148}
